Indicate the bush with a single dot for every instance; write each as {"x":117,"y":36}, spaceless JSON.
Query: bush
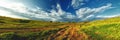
{"x":21,"y":21}
{"x":2,"y":22}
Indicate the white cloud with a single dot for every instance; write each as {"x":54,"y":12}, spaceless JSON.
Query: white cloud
{"x":19,"y":10}
{"x":110,"y":16}
{"x":9,"y":5}
{"x":87,"y":13}
{"x":77,"y":3}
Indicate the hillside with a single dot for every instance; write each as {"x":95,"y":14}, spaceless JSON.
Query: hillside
{"x":21,"y":29}
{"x":107,"y":29}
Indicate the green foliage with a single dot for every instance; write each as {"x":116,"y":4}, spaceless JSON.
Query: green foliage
{"x":15,"y":25}
{"x":27,"y":36}
{"x":107,"y":29}
{"x":7,"y":36}
{"x":22,"y":21}
{"x":6,"y":22}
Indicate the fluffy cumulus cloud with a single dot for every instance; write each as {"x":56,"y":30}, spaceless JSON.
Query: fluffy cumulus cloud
{"x":19,"y":10}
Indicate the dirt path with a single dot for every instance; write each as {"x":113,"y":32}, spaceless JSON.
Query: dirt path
{"x":70,"y":33}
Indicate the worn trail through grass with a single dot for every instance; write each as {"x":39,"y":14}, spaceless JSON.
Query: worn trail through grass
{"x":72,"y":32}
{"x":69,"y":31}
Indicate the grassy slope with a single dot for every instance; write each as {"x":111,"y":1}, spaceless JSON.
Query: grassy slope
{"x":6,"y":22}
{"x":17,"y":29}
{"x":107,"y":29}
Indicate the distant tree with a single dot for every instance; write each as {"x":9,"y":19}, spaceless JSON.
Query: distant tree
{"x":51,"y":21}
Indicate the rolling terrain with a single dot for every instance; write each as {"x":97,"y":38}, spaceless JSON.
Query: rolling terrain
{"x":21,"y":29}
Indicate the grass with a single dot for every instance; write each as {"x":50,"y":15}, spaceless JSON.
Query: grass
{"x":7,"y":22}
{"x":107,"y":29}
{"x":22,"y":29}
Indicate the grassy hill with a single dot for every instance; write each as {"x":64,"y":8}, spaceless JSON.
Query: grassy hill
{"x":107,"y":29}
{"x":21,"y":29}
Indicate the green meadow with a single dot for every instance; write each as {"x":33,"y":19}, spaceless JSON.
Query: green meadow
{"x":23,"y":29}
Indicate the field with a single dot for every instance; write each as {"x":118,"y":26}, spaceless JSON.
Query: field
{"x":21,"y":29}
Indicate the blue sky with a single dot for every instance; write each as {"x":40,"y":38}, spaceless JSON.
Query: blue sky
{"x":60,"y":10}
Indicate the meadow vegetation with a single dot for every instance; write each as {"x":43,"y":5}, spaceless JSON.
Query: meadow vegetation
{"x":22,"y":29}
